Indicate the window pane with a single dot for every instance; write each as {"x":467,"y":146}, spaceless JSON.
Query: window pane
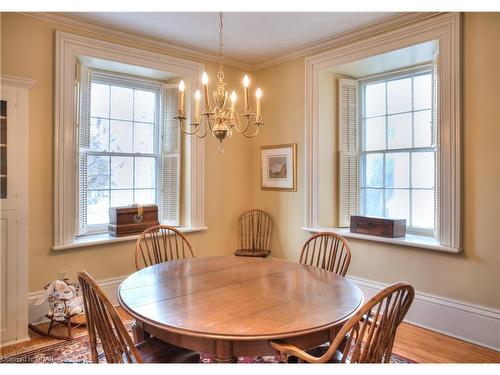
{"x":374,"y":170}
{"x":397,"y":204}
{"x":399,"y":95}
{"x":120,"y":198}
{"x":97,"y":172}
{"x":99,"y":100}
{"x":422,"y":207}
{"x":123,"y":122}
{"x":397,"y":170}
{"x":374,"y":202}
{"x":122,"y":168}
{"x":145,"y":172}
{"x":122,"y":103}
{"x":121,"y":136}
{"x":423,"y":129}
{"x":97,"y":207}
{"x":146,"y":196}
{"x":422,"y":91}
{"x":375,"y":134}
{"x":144,"y":106}
{"x":143,"y":138}
{"x":422,"y":170}
{"x":375,"y":99}
{"x":99,"y":134}
{"x":399,"y":131}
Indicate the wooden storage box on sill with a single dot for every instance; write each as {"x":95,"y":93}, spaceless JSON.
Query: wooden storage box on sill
{"x":126,"y":221}
{"x":378,"y":226}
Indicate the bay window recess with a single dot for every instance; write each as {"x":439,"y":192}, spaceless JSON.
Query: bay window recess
{"x":116,"y":140}
{"x":398,"y":132}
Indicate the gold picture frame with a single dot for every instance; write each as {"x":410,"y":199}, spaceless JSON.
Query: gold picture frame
{"x":278,"y":167}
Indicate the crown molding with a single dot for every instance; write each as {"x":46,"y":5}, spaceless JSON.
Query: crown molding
{"x":349,"y":37}
{"x":132,"y":37}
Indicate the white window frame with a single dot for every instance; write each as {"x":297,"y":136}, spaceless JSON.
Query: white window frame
{"x":121,"y":80}
{"x":404,"y":73}
{"x":383,"y":37}
{"x":69,"y":48}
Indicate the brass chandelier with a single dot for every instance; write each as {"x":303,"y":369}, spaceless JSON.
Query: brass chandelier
{"x":220,"y":118}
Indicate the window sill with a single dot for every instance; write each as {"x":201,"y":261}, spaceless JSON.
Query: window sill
{"x":106,"y":239}
{"x":410,"y":240}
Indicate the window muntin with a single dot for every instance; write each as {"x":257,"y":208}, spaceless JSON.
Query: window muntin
{"x":398,"y":149}
{"x":123,"y":157}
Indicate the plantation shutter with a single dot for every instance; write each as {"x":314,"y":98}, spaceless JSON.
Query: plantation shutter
{"x":83,"y":87}
{"x":348,"y":151}
{"x":171,"y":156}
{"x":435,"y":143}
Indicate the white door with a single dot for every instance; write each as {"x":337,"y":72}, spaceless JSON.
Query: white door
{"x":13,"y":214}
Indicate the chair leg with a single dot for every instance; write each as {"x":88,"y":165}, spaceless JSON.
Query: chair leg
{"x":50,"y":325}
{"x":138,"y":333}
{"x":69,"y":328}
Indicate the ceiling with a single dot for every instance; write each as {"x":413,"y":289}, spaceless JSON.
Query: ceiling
{"x":249,"y":37}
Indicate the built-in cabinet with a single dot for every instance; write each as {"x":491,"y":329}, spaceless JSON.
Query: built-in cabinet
{"x":14,"y":230}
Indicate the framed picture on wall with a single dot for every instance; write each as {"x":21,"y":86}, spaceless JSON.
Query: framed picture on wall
{"x":278,"y":167}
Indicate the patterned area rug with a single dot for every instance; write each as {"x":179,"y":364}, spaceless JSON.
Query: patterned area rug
{"x":78,"y":351}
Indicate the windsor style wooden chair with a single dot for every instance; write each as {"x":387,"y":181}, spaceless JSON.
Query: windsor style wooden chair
{"x":104,"y":322}
{"x":367,"y":337}
{"x":161,"y":243}
{"x":254,"y":234}
{"x":329,"y":251}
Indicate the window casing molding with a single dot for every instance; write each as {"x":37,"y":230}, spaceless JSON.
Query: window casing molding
{"x":446,"y":29}
{"x":68,"y":48}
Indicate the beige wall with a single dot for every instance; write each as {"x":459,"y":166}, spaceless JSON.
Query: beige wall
{"x":233,"y":179}
{"x":28,"y":52}
{"x":472,"y":276}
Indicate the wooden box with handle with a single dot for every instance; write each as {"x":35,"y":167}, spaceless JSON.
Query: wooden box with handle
{"x":130,"y":220}
{"x":375,"y":226}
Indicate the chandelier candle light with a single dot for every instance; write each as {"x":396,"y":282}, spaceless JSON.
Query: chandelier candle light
{"x":220,"y":118}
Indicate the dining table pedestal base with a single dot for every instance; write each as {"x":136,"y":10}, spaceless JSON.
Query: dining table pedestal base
{"x":223,"y":352}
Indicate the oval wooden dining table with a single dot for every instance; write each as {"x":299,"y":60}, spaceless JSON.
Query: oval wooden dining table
{"x":233,"y":306}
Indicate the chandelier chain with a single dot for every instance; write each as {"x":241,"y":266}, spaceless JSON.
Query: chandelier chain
{"x":220,"y":74}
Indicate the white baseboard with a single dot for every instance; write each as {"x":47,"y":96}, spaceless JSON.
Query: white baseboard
{"x":14,"y":341}
{"x":473,"y":323}
{"x":36,"y":314}
{"x":469,"y":322}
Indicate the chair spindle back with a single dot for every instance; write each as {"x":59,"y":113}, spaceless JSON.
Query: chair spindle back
{"x":371,"y":331}
{"x":329,"y":251}
{"x":104,"y":322}
{"x":254,"y":230}
{"x":159,"y":244}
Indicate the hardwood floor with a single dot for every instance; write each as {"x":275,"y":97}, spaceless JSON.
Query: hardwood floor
{"x":412,"y":342}
{"x":426,"y":346}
